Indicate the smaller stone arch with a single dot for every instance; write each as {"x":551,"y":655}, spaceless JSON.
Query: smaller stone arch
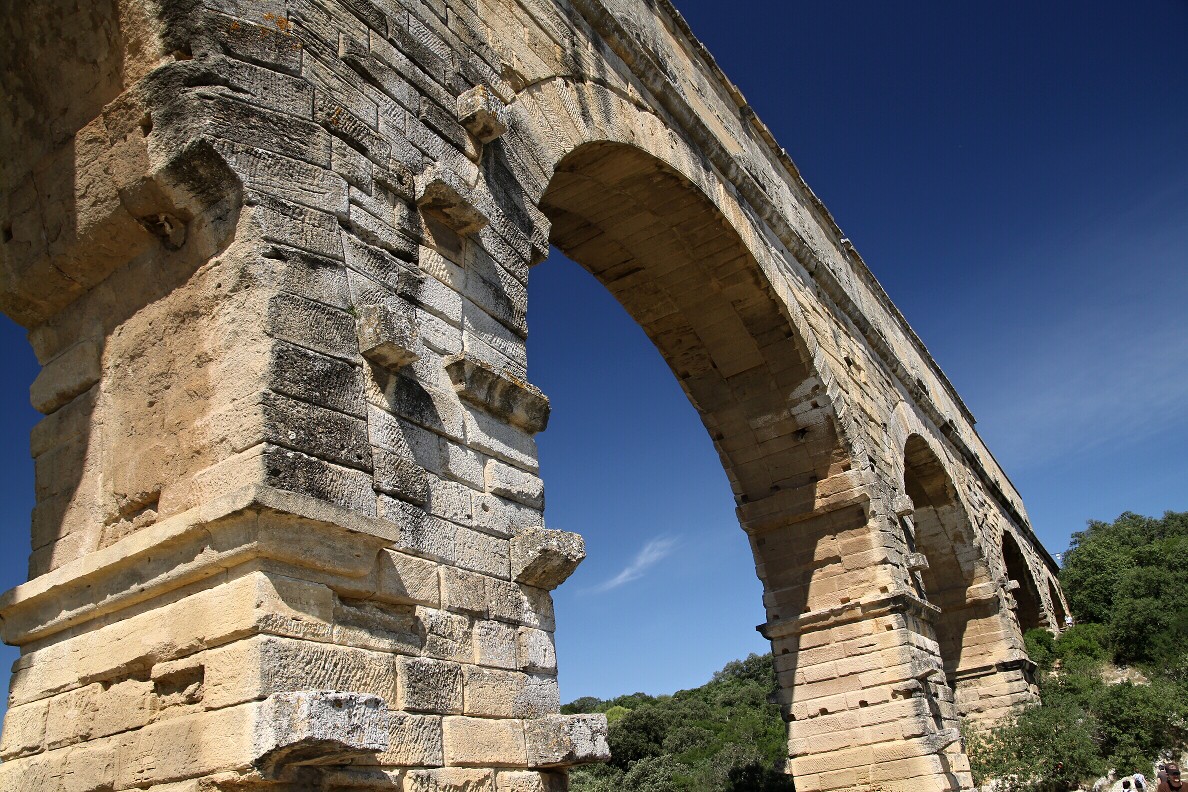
{"x":1059,"y":612}
{"x":946,"y":563}
{"x":1028,"y":605}
{"x":979,"y":644}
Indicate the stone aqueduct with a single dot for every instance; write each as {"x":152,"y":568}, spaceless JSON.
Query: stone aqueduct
{"x":273,"y":257}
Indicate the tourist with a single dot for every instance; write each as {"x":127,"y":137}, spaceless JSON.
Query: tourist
{"x":1140,"y":782}
{"x":1170,"y":781}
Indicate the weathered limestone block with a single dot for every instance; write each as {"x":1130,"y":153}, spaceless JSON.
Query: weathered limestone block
{"x":535,"y":650}
{"x":449,"y":779}
{"x":413,"y":741}
{"x":426,"y":685}
{"x":24,"y":730}
{"x":482,"y":114}
{"x":318,"y":727}
{"x":562,"y":740}
{"x":404,"y":578}
{"x":463,"y":591}
{"x":529,"y":781}
{"x":72,"y":372}
{"x":495,"y":644}
{"x":448,"y":636}
{"x":260,"y":666}
{"x":513,"y":400}
{"x":484,"y":742}
{"x":511,"y":482}
{"x":387,"y":337}
{"x":442,"y":193}
{"x":495,"y":693}
{"x":545,"y":558}
{"x":520,"y":604}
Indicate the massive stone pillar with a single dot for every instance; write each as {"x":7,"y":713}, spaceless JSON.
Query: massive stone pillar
{"x":274,"y":256}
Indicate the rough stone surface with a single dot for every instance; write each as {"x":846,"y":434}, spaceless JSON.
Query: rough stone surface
{"x":318,"y":727}
{"x":387,"y":337}
{"x":545,"y":558}
{"x":562,"y":740}
{"x":273,"y":258}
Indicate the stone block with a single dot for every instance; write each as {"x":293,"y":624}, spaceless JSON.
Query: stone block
{"x":318,"y":727}
{"x":499,"y":393}
{"x":519,"y":604}
{"x":442,"y":193}
{"x":545,"y":558}
{"x":566,"y":740}
{"x":404,"y":578}
{"x":482,"y":114}
{"x":24,"y":730}
{"x":484,"y":742}
{"x":387,"y":337}
{"x":448,"y":636}
{"x":399,"y":475}
{"x":482,"y":552}
{"x":535,"y":650}
{"x":258,"y":667}
{"x":72,"y":372}
{"x":502,"y":517}
{"x":413,"y":741}
{"x":425,"y":685}
{"x":495,"y":693}
{"x":448,"y":779}
{"x":495,"y":644}
{"x":529,"y":781}
{"x":463,"y":592}
{"x":510,"y":482}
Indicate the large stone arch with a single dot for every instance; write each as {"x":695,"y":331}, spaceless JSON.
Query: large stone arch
{"x":290,"y":528}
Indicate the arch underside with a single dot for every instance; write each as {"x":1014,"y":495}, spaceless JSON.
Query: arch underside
{"x":678,"y":268}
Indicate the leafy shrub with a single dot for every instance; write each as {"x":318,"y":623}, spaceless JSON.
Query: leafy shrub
{"x":1039,"y":644}
{"x":1082,"y":643}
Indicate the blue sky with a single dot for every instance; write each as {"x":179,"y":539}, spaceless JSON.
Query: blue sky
{"x":1016,"y":175}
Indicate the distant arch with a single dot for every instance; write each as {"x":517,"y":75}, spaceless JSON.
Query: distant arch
{"x":1029,"y":608}
{"x":939,"y":529}
{"x":1060,"y":615}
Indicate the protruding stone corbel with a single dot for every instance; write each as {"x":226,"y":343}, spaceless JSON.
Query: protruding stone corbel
{"x":513,"y":400}
{"x":903,"y":506}
{"x":917,"y":562}
{"x":318,"y":727}
{"x":387,"y":337}
{"x":545,"y":558}
{"x":566,"y":740}
{"x":481,"y":112}
{"x":1012,"y":585}
{"x":441,"y":192}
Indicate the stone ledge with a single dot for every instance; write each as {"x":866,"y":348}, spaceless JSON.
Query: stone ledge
{"x":191,"y":546}
{"x":866,"y":608}
{"x":514,"y":400}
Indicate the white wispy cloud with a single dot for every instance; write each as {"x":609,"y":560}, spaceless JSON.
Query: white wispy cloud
{"x":651,"y":554}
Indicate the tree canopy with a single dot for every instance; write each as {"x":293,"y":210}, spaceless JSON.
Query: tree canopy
{"x":721,"y":737}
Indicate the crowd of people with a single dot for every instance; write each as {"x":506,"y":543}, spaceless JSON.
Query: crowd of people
{"x":1168,"y":780}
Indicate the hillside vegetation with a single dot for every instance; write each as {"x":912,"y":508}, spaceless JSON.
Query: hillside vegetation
{"x":1127,"y":587}
{"x":1128,"y":591}
{"x":721,"y":737}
